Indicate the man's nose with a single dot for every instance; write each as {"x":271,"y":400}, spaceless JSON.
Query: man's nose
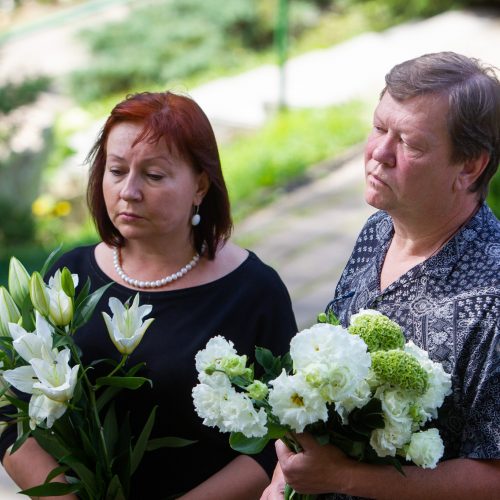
{"x":385,"y":151}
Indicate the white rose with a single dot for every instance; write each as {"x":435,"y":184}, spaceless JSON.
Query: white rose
{"x":425,"y":449}
{"x":392,"y":437}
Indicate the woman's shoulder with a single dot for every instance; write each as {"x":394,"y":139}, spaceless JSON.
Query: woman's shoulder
{"x":75,"y":259}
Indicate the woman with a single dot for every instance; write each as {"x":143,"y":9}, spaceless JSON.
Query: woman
{"x":158,"y":198}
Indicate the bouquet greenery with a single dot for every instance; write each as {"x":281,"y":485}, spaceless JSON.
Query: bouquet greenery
{"x":70,"y":415}
{"x":362,"y":389}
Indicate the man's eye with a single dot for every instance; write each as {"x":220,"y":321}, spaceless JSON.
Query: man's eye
{"x":155,"y":177}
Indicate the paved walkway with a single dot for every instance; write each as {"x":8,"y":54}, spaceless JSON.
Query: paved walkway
{"x":308,"y":234}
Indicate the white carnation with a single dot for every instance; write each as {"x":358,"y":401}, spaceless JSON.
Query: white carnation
{"x":295,"y":403}
{"x":219,"y":405}
{"x":330,"y":359}
{"x":425,"y":449}
{"x":216,"y":351}
{"x":357,"y":399}
{"x":239,"y":415}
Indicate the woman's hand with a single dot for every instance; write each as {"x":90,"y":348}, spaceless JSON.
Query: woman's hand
{"x":276,"y":488}
{"x":30,"y":465}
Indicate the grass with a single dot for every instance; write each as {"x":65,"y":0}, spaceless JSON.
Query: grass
{"x":259,"y":167}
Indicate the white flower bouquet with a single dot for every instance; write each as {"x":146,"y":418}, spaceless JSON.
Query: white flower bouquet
{"x":71,"y":416}
{"x":362,"y":389}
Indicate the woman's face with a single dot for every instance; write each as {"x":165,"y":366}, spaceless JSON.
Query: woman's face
{"x":149,"y":191}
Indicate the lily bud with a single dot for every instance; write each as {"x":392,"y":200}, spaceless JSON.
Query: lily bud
{"x":67,"y":283}
{"x":60,"y":308}
{"x":19,"y":281}
{"x":39,"y":294}
{"x":9,"y":313}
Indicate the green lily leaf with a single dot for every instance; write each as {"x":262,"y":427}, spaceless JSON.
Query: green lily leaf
{"x":168,"y":442}
{"x":50,"y":260}
{"x":84,"y":292}
{"x":246,"y":445}
{"x":20,"y":440}
{"x":142,"y":441}
{"x":51,"y":489}
{"x":125,"y":382}
{"x":115,"y":490}
{"x":110,"y":428}
{"x":55,"y":472}
{"x":86,"y":307}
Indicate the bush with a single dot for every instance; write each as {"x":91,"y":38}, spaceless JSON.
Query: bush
{"x":168,"y":41}
{"x":260,"y":166}
{"x":14,"y":95}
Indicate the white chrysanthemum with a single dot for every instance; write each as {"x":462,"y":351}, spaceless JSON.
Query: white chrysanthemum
{"x":295,"y":403}
{"x":425,"y":449}
{"x":391,"y":438}
{"x":357,"y":399}
{"x":330,"y":359}
{"x":216,"y":350}
{"x":439,"y":383}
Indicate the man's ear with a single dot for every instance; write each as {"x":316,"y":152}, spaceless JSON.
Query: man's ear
{"x":470,"y":172}
{"x":202,"y":189}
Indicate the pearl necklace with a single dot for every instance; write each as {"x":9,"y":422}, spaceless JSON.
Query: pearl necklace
{"x":155,"y":283}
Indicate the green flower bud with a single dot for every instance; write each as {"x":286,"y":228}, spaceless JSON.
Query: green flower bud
{"x":257,"y":390}
{"x":378,"y":331}
{"x":19,"y":281}
{"x":322,"y":318}
{"x":39,"y":294}
{"x":9,"y":313}
{"x":67,"y":282}
{"x":400,"y":369}
{"x":235,"y":366}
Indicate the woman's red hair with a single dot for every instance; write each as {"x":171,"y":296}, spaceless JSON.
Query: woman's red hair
{"x":183,"y":125}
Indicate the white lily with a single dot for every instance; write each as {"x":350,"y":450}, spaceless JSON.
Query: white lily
{"x":37,"y":344}
{"x":56,"y":379}
{"x":60,"y":304}
{"x":43,"y":408}
{"x":126,"y":328}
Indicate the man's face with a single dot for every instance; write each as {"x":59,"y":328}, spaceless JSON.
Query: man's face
{"x":407,"y":156}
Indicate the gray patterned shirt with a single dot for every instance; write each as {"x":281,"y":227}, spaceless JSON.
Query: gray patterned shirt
{"x":448,"y":305}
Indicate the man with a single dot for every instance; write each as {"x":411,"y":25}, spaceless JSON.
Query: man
{"x":430,"y":260}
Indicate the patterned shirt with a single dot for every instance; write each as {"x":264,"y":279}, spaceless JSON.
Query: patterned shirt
{"x":448,"y":305}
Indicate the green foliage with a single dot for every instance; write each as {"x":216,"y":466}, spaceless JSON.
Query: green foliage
{"x":16,"y":226}
{"x":14,"y":95}
{"x":494,"y":194}
{"x":284,"y":149}
{"x":169,"y":41}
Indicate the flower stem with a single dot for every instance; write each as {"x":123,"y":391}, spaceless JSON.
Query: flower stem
{"x":119,"y":365}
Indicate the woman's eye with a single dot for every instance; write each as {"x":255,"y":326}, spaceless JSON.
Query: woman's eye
{"x":155,"y":177}
{"x":115,"y":171}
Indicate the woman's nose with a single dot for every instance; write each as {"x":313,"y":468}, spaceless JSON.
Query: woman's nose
{"x":131,"y":190}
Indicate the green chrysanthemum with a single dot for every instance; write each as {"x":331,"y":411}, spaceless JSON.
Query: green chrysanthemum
{"x":400,"y":369}
{"x":378,"y":331}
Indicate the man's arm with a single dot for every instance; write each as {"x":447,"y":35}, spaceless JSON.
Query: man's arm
{"x":325,"y":469}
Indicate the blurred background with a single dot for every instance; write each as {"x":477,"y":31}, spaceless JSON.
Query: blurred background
{"x":289,"y":86}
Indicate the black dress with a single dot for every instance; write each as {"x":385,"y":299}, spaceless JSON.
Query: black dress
{"x":250,"y":306}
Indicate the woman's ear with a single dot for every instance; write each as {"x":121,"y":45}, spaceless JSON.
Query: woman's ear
{"x":470,"y":172}
{"x":202,"y":188}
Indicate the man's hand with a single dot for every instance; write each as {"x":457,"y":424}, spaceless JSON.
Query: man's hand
{"x":317,"y":469}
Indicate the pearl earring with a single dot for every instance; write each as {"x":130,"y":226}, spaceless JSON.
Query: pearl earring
{"x":196,"y":218}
